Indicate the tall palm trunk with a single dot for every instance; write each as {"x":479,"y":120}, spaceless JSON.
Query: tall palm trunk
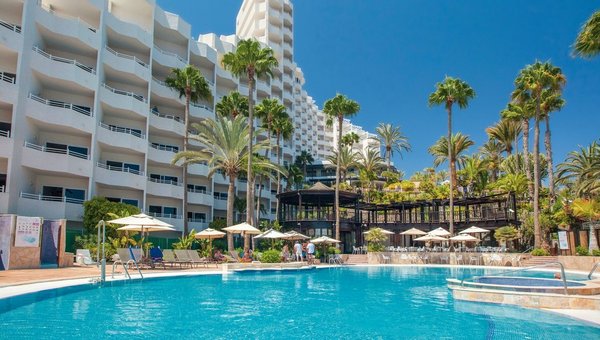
{"x":526,"y":156}
{"x":278,"y":178}
{"x":260,"y":178}
{"x":188,"y":95}
{"x":452,"y":165}
{"x":230,"y":200}
{"x":537,"y":231}
{"x":250,"y":191}
{"x":337,"y":179}
{"x":548,"y":146}
{"x":388,"y":153}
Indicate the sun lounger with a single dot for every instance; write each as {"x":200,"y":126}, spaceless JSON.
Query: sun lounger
{"x":229,"y":259}
{"x":82,"y":256}
{"x":196,"y":259}
{"x":169,"y":257}
{"x":235,"y":256}
{"x":128,"y":257}
{"x":184,"y":256}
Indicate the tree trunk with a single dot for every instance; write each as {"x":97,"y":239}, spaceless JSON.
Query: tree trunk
{"x":185,"y":147}
{"x":337,"y":179}
{"x":537,"y":230}
{"x":230,"y":200}
{"x":278,"y":179}
{"x":548,"y":146}
{"x":526,"y":157}
{"x":250,"y":189}
{"x":452,"y":172}
{"x":388,"y":153}
{"x":260,"y":179}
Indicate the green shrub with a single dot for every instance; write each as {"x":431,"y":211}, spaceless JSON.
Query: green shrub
{"x":596,"y":252}
{"x":271,"y":256}
{"x":333,"y":250}
{"x":539,"y":252}
{"x":582,"y":251}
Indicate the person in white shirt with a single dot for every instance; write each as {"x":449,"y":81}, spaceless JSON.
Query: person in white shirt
{"x":310,"y":252}
{"x":298,"y":251}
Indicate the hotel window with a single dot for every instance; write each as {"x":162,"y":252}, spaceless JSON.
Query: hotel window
{"x":169,"y":211}
{"x":196,"y":217}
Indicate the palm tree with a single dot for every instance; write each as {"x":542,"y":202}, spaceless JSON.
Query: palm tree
{"x":304,"y":159}
{"x":492,"y":153}
{"x":473,"y":174}
{"x":283,"y":128}
{"x":551,"y":101}
{"x":268,"y":111}
{"x":339,"y":107}
{"x":344,"y":160}
{"x":294,"y":176}
{"x":459,"y":145}
{"x":251,"y":60}
{"x":587,"y":44}
{"x":262,"y":173}
{"x":506,"y":132}
{"x":190,"y":84}
{"x":233,"y":105}
{"x":531,"y":82}
{"x":392,"y":139}
{"x":449,"y":92}
{"x":582,"y":169}
{"x":516,"y":183}
{"x":522,"y":109}
{"x":350,"y":139}
{"x":369,"y":163}
{"x":224,"y":149}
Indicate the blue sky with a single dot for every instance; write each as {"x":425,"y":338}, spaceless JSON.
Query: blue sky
{"x":388,"y":55}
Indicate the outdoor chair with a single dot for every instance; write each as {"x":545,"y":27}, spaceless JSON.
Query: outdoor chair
{"x":424,"y":259}
{"x":459,"y":259}
{"x":444,"y":259}
{"x":355,"y":250}
{"x":495,"y":259}
{"x":195,"y":258}
{"x":183,"y":256}
{"x":156,"y":257}
{"x":169,"y":257}
{"x":474,"y":260}
{"x":82,"y":256}
{"x":385,"y":259}
{"x":235,"y":255}
{"x":516,"y":261}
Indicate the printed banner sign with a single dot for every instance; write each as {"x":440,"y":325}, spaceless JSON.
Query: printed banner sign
{"x":27,"y":231}
{"x":563,"y":243}
{"x":5,"y":227}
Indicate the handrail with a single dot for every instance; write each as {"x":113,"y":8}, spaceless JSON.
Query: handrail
{"x":527,"y":250}
{"x":165,"y":181}
{"x":202,"y":106}
{"x":562,"y":273}
{"x":593,"y":270}
{"x":8,"y":77}
{"x":127,"y":56}
{"x":122,"y":130}
{"x":173,"y":216}
{"x":55,"y":150}
{"x":198,"y":191}
{"x":2,"y":188}
{"x":120,"y":169}
{"x":48,"y":9}
{"x":47,"y":55}
{"x":57,"y":103}
{"x":5,"y":133}
{"x":40,"y":197}
{"x":170,"y":54}
{"x":12,"y":27}
{"x":125,"y":93}
{"x":175,"y":118}
{"x":170,"y":148}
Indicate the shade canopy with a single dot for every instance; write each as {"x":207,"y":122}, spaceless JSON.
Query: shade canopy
{"x":414,"y":232}
{"x":271,"y":234}
{"x":140,"y":220}
{"x":242,"y":228}
{"x":439,"y":232}
{"x":474,"y":230}
{"x":430,"y":237}
{"x":324,"y":239}
{"x":383,"y":231}
{"x":210,"y":234}
{"x":464,"y":237}
{"x":294,"y":235}
{"x":145,"y":228}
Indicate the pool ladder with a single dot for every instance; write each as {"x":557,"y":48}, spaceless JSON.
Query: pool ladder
{"x":593,"y":270}
{"x":562,"y":272}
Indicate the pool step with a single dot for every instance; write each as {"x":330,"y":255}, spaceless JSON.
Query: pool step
{"x":538,"y":260}
{"x":357,"y":259}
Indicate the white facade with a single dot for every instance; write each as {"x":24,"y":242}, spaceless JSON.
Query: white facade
{"x":84,"y":110}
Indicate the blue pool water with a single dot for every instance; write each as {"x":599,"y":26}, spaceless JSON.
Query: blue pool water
{"x":357,"y":302}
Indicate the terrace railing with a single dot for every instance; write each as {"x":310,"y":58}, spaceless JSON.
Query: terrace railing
{"x":12,"y":27}
{"x":180,"y":58}
{"x":169,"y":148}
{"x":50,"y":10}
{"x":2,"y":188}
{"x":57,"y":103}
{"x":5,"y":133}
{"x":125,"y":93}
{"x":124,"y":130}
{"x":165,"y":181}
{"x":127,"y":56}
{"x":39,"y":197}
{"x":160,"y":215}
{"x":120,"y":169}
{"x":45,"y":54}
{"x":174,"y":118}
{"x":55,"y":150}
{"x":199,"y":191}
{"x":202,"y":106}
{"x":8,"y":77}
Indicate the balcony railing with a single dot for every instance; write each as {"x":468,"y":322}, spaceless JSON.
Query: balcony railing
{"x":5,"y":133}
{"x":175,"y":118}
{"x":197,"y":220}
{"x":159,"y":215}
{"x":55,"y":150}
{"x":120,"y":169}
{"x":8,"y":77}
{"x":165,"y":181}
{"x":170,"y":54}
{"x":65,"y":16}
{"x":127,"y":56}
{"x":202,"y":106}
{"x":39,"y":197}
{"x":12,"y":27}
{"x":125,"y":93}
{"x":2,"y":188}
{"x":173,"y":149}
{"x":199,"y":191}
{"x":124,"y":130}
{"x":57,"y":103}
{"x":64,"y":60}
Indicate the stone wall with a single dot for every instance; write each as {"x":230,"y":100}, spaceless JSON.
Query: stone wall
{"x":488,"y":259}
{"x":583,"y":263}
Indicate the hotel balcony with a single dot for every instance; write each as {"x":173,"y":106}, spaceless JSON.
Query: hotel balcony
{"x":51,"y":207}
{"x":197,"y":225}
{"x":198,"y":170}
{"x":241,"y":185}
{"x":129,"y":30}
{"x":11,"y":36}
{"x":201,"y":111}
{"x":200,"y":198}
{"x":8,"y":87}
{"x":63,"y":68}
{"x":61,"y":115}
{"x":172,"y":22}
{"x":3,"y":198}
{"x":56,"y":160}
{"x":68,"y":26}
{"x":220,"y":204}
{"x":161,"y":89}
{"x":122,"y":137}
{"x":167,"y":123}
{"x":167,"y":58}
{"x":6,"y":145}
{"x":263,"y":86}
{"x":161,"y":154}
{"x":124,"y":100}
{"x":221,"y":73}
{"x":203,"y":50}
{"x":175,"y":220}
{"x":126,"y":63}
{"x":220,"y":179}
{"x":164,"y":188}
{"x":120,"y":177}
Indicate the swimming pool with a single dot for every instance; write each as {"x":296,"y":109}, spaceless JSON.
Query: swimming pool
{"x":357,"y":302}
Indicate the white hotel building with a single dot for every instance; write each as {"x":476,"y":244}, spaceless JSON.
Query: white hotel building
{"x":84,"y":110}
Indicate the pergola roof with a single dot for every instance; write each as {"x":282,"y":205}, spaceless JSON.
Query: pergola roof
{"x":318,"y":194}
{"x":427,"y":203}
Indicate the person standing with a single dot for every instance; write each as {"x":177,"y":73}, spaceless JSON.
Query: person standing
{"x":298,"y":251}
{"x":310,"y":252}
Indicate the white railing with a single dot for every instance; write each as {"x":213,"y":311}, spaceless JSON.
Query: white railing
{"x":170,"y":54}
{"x":125,"y":93}
{"x":202,"y":106}
{"x":198,"y":191}
{"x":49,"y":9}
{"x":64,"y":60}
{"x":8,"y":77}
{"x":165,"y":181}
{"x":175,"y":118}
{"x":2,"y":188}
{"x":5,"y":133}
{"x":120,"y":169}
{"x":55,"y":150}
{"x":57,"y":103}
{"x":12,"y":27}
{"x":161,"y":82}
{"x":169,"y":148}
{"x":39,"y":197}
{"x":220,"y":198}
{"x":127,"y":56}
{"x":197,"y":220}
{"x":159,"y":215}
{"x":119,"y":129}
